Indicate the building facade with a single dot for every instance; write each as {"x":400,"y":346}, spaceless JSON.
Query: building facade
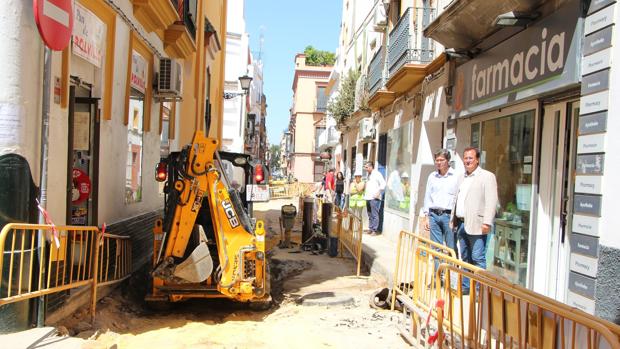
{"x":393,"y":59}
{"x":307,"y":121}
{"x":238,"y":64}
{"x":536,"y":99}
{"x":126,"y":78}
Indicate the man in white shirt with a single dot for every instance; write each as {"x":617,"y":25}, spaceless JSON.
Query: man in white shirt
{"x":474,"y":213}
{"x":372,"y":194}
{"x":441,"y":188}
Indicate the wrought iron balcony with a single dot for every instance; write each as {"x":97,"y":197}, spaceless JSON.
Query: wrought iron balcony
{"x":407,"y":44}
{"x":329,"y":138}
{"x":187,"y":10}
{"x":321,"y":104}
{"x":180,"y":37}
{"x":376,"y":76}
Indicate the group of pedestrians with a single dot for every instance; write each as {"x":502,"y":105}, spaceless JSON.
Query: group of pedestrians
{"x":461,"y":207}
{"x":368,"y":193}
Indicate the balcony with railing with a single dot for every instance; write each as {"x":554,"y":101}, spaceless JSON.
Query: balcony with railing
{"x":379,"y":96}
{"x":155,"y":15}
{"x":320,"y":104}
{"x":180,"y":37}
{"x":329,"y":138}
{"x":409,"y":51}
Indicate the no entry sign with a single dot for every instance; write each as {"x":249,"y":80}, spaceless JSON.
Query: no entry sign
{"x":54,"y":19}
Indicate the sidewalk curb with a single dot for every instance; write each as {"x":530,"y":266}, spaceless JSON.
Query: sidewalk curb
{"x":379,"y":260}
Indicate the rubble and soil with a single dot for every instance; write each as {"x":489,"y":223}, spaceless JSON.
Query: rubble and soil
{"x":123,"y":322}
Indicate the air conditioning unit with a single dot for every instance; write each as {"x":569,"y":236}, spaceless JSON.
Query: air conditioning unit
{"x":366,"y":130}
{"x":169,"y":80}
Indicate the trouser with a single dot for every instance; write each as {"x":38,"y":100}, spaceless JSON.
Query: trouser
{"x":439,"y":225}
{"x":473,"y":250}
{"x":441,"y":233}
{"x":338,"y":200}
{"x":373,"y":206}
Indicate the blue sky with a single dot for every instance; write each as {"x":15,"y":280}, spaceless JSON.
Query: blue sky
{"x":288,"y":27}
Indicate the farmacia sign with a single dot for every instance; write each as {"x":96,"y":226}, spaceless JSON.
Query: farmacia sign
{"x":535,"y":55}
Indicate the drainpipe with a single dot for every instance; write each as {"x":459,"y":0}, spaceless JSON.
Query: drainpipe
{"x":47,"y":72}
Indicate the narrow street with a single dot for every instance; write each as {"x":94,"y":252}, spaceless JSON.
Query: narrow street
{"x":346,"y":322}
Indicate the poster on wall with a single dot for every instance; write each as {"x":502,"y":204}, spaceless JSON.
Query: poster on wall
{"x":81,"y":131}
{"x":88,"y":35}
{"x":138,"y":72}
{"x":11,"y":125}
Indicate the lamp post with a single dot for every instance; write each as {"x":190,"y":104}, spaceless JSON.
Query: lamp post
{"x":245,"y":81}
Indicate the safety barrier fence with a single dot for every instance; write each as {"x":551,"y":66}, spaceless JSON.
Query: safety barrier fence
{"x":349,"y":230}
{"x":283,"y":191}
{"x":495,"y":313}
{"x":414,"y":280}
{"x":39,"y":260}
{"x":500,"y":314}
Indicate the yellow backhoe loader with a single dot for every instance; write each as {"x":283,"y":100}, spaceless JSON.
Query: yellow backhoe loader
{"x":206,"y":245}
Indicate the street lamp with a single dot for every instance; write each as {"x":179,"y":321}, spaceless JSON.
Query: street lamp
{"x":245,"y":86}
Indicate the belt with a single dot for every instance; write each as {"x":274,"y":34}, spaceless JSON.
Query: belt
{"x":439,"y":211}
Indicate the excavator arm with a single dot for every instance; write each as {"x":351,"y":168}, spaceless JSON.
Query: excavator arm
{"x":230,"y":256}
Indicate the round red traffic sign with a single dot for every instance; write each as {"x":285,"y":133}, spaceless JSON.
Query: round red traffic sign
{"x":54,"y":20}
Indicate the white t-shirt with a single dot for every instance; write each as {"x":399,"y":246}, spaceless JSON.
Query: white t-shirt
{"x":374,"y":185}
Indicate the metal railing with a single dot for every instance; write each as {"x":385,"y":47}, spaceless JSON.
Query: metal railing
{"x":500,"y":314}
{"x":349,"y":229}
{"x":414,"y":282}
{"x":186,"y":15}
{"x":495,"y":314}
{"x":407,"y":44}
{"x":39,"y":260}
{"x":376,"y":75}
{"x":283,"y":191}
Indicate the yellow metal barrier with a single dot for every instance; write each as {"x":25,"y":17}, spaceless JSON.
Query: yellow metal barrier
{"x":415,"y":282}
{"x":413,"y":271}
{"x":283,"y":191}
{"x":498,"y":314}
{"x":33,"y":264}
{"x":349,"y":230}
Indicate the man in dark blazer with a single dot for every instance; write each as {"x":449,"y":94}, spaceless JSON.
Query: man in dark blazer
{"x":474,"y":211}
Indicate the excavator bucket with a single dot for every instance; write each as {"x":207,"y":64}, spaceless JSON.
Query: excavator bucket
{"x":199,"y":265}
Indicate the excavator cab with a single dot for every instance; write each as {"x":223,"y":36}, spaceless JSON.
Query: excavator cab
{"x":206,"y":245}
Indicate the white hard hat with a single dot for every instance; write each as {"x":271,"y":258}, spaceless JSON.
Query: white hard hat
{"x":404,"y":175}
{"x":357,"y":173}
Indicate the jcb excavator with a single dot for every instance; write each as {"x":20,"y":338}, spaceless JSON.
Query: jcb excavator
{"x":206,"y":245}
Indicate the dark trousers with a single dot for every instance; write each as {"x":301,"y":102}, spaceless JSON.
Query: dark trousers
{"x":374,"y":207}
{"x":473,"y":250}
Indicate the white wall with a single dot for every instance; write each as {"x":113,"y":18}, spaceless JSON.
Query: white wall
{"x":21,"y":89}
{"x":21,"y":67}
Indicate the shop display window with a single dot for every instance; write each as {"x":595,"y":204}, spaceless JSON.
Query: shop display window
{"x":399,"y":152}
{"x":133,"y":173}
{"x":507,"y":150}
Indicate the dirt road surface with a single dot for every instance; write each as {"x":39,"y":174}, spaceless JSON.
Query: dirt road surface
{"x":347,"y":322}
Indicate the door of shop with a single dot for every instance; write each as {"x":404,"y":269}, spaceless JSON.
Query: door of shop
{"x":83,"y":154}
{"x":558,"y":148}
